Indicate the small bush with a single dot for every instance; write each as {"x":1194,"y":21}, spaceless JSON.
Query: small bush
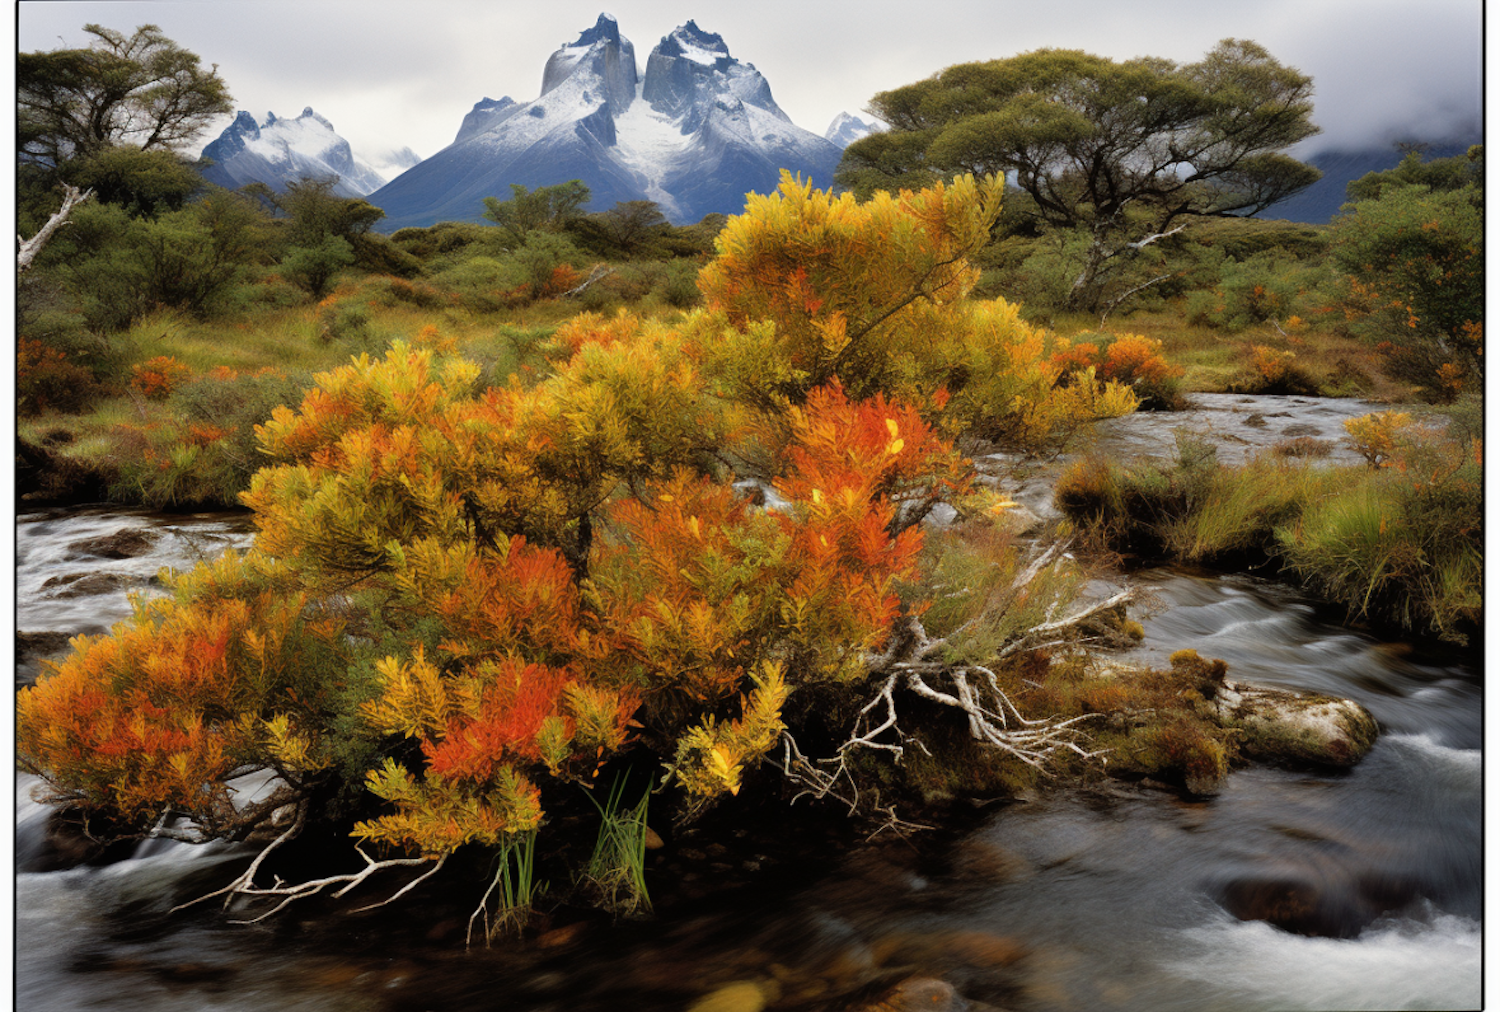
{"x":1128,"y":359}
{"x":1275,"y":372}
{"x":343,"y":321}
{"x":156,"y":378}
{"x":47,"y":381}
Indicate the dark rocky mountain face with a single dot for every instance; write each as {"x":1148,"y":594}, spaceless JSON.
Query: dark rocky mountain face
{"x":697,"y":132}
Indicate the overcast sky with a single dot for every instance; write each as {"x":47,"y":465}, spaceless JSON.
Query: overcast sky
{"x":389,"y":74}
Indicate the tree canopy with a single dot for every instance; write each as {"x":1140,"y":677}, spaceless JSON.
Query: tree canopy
{"x":1123,"y":150}
{"x":547,"y":208}
{"x":141,"y":90}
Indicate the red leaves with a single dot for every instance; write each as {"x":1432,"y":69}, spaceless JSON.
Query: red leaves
{"x":525,"y":597}
{"x":512,"y":708}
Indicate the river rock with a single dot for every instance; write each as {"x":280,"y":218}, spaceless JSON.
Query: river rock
{"x":1019,"y":521}
{"x":87,"y":584}
{"x":1296,"y":727}
{"x":741,"y":996}
{"x":126,"y":543}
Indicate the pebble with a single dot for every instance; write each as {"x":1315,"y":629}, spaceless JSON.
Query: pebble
{"x":741,"y":996}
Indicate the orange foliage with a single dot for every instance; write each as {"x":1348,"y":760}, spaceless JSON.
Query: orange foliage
{"x":156,"y":378}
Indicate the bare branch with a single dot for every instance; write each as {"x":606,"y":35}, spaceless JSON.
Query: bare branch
{"x":31,"y":247}
{"x":245,"y":885}
{"x":1027,"y":641}
{"x":599,"y":273}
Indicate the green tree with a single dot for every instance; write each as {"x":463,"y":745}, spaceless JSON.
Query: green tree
{"x":1439,"y":174}
{"x":1125,"y":152}
{"x":142,"y":89}
{"x":1417,"y":255}
{"x":313,"y":267}
{"x":142,"y":182}
{"x":323,"y":231}
{"x":547,"y":208}
{"x":313,"y":212}
{"x":119,"y":267}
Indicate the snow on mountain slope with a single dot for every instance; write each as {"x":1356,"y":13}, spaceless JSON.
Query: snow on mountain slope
{"x":694,"y":134}
{"x":846,"y":129}
{"x":280,"y":151}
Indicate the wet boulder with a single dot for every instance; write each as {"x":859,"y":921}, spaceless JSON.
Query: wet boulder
{"x":126,"y":543}
{"x":1297,"y":728}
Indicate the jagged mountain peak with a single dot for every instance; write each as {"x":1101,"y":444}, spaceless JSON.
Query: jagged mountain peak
{"x":847,"y":128}
{"x":278,"y":151}
{"x":606,"y":29}
{"x":605,"y":57}
{"x":705,"y":132}
{"x":691,"y":70}
{"x":695,"y":44}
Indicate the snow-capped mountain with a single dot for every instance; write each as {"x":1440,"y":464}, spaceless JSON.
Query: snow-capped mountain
{"x":280,"y":151}
{"x":846,"y":129}
{"x":695,"y":134}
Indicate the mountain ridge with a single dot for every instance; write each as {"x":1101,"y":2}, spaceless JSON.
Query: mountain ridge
{"x":696,"y":132}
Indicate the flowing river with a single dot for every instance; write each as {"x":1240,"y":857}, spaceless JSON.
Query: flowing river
{"x":1110,"y":898}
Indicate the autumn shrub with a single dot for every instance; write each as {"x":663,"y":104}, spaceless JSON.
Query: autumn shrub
{"x":670,"y":544}
{"x":47,"y":381}
{"x":1275,"y":371}
{"x":812,"y":286}
{"x":1130,"y":360}
{"x":156,"y":378}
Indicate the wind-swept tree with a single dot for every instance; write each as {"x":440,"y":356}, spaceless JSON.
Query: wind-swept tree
{"x":141,"y":90}
{"x":1124,"y":152}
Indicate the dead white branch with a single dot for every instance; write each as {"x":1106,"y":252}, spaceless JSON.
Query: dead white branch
{"x":991,"y":714}
{"x":72,"y":197}
{"x":1028,"y":641}
{"x":599,"y":273}
{"x":830,"y":778}
{"x":244,"y":885}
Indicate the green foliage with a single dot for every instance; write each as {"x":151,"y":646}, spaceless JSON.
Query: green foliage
{"x":1087,"y":139}
{"x":142,"y":182}
{"x":514,"y":886}
{"x":313,"y":212}
{"x":141,"y":90}
{"x":121,"y":267}
{"x":547,"y":208}
{"x":1438,"y":175}
{"x":629,"y":229}
{"x":617,"y":867}
{"x":1416,"y":257}
{"x":313,"y":267}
